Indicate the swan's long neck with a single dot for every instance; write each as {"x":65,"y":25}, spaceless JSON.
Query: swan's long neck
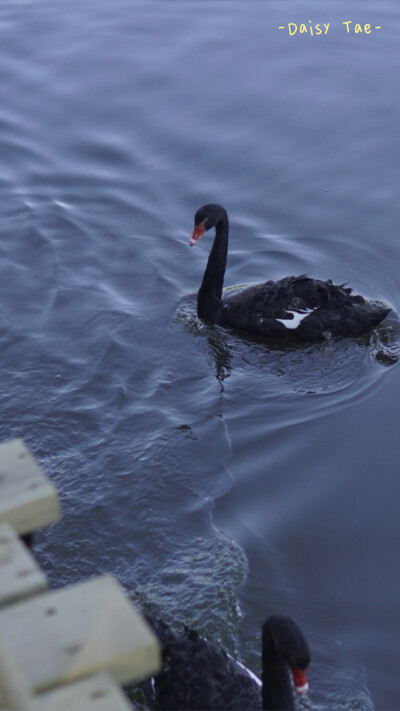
{"x":277,"y":692}
{"x":210,"y":293}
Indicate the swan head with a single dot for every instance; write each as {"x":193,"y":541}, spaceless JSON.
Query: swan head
{"x":290,"y":642}
{"x":206,"y":217}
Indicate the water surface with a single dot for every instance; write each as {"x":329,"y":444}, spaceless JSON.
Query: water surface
{"x":218,"y":477}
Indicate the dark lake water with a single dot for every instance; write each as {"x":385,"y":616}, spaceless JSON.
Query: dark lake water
{"x":219,"y":478}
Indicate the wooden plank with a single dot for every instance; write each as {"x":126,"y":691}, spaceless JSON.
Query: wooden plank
{"x":97,"y":693}
{"x":28,"y":500}
{"x":14,"y":692}
{"x":85,"y":628}
{"x":20,"y":575}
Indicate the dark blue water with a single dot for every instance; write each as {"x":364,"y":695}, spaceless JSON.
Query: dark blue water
{"x":219,"y":478}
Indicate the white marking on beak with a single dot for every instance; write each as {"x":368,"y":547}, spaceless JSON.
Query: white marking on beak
{"x":302,"y":689}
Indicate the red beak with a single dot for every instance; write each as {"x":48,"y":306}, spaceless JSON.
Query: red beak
{"x":197,"y":233}
{"x":300,"y":681}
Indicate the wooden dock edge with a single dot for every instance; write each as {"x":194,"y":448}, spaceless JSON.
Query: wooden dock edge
{"x":68,"y":649}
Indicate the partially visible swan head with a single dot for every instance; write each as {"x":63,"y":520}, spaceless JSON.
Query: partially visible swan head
{"x":205,"y":218}
{"x":291,"y":644}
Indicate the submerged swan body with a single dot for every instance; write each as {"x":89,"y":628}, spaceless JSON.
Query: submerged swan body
{"x":294,"y":307}
{"x":197,"y":674}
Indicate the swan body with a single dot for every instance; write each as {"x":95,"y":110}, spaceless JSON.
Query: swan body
{"x":291,"y":308}
{"x":197,"y":674}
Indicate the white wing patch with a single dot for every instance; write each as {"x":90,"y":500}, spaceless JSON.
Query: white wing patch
{"x":297,"y":318}
{"x":248,"y":671}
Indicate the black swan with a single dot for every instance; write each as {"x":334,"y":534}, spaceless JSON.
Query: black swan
{"x":199,"y":675}
{"x":293,"y":307}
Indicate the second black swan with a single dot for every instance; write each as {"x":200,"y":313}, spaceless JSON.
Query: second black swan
{"x":197,"y":674}
{"x":291,"y":308}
